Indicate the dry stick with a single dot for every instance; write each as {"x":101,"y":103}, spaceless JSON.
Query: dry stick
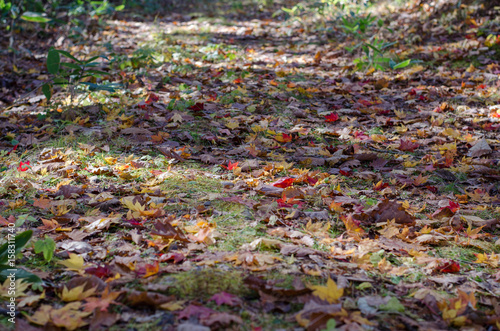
{"x":11,"y":37}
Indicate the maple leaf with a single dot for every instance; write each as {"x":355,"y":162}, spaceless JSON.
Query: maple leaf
{"x":230,"y":166}
{"x":407,"y":145}
{"x":42,"y":203}
{"x":151,"y":98}
{"x":151,"y":269}
{"x":129,"y":203}
{"x":101,"y":272}
{"x":75,"y":262}
{"x":453,"y":309}
{"x":332,"y":117}
{"x":330,"y":292}
{"x":69,"y":316}
{"x":283,"y":138}
{"x":199,"y":106}
{"x":491,"y":260}
{"x":76,"y":293}
{"x":352,"y":225}
{"x":448,"y":267}
{"x":224,"y":298}
{"x":19,"y":288}
{"x":285,"y":202}
{"x":380,"y":186}
{"x":284,"y":182}
{"x":103,"y":302}
{"x":195,"y":310}
{"x":23,"y":166}
{"x":473,"y":234}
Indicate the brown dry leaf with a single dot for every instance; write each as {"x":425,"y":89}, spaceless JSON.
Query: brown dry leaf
{"x":42,"y":203}
{"x":479,"y":149}
{"x":385,"y":211}
{"x":152,"y":299}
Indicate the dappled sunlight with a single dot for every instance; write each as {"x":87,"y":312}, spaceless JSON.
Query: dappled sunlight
{"x":254,"y":165}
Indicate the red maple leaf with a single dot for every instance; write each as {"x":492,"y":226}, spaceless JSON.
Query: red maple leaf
{"x":312,"y":181}
{"x":332,"y":117}
{"x":454,"y":206}
{"x":360,"y":135}
{"x":197,"y":106}
{"x":284,"y":182}
{"x":230,"y":166}
{"x":101,"y":272}
{"x":212,"y":97}
{"x":345,"y":173}
{"x":449,"y":267}
{"x":285,"y":202}
{"x":380,"y":186}
{"x":151,"y":98}
{"x":23,"y":166}
{"x":407,"y":145}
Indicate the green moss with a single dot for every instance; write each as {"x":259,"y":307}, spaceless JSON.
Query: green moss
{"x":203,"y":283}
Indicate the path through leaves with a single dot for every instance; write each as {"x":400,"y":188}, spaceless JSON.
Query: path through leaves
{"x":247,"y":176}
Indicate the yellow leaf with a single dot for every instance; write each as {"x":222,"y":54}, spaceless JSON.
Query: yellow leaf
{"x":378,"y":138}
{"x":110,"y":160}
{"x":232,"y":124}
{"x":19,"y":288}
{"x":76,"y":293}
{"x":41,"y":316}
{"x":75,"y":262}
{"x":69,"y":316}
{"x":330,"y":292}
{"x":173,"y":305}
{"x":128,"y":202}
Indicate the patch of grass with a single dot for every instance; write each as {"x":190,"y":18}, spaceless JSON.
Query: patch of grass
{"x":459,"y":253}
{"x":451,"y":188}
{"x":234,"y":227}
{"x":203,"y":283}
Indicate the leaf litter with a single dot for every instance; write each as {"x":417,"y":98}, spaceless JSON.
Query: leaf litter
{"x":255,"y":177}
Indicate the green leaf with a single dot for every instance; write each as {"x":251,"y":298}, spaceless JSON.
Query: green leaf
{"x":35,"y":17}
{"x":393,"y":305}
{"x":19,"y":241}
{"x":402,"y":64}
{"x":91,"y":59}
{"x":331,"y":324}
{"x":53,"y":61}
{"x":61,"y":81}
{"x":68,"y":55}
{"x":97,"y":72}
{"x":47,"y":91}
{"x":47,"y":247}
{"x":19,"y":273}
{"x":98,"y":87}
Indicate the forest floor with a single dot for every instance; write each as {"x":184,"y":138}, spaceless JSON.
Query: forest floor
{"x":244,"y":171}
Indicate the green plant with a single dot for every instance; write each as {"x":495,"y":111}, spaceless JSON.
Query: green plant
{"x":47,"y":247}
{"x":73,"y":74}
{"x":374,"y":57}
{"x":357,"y":25}
{"x":9,"y":251}
{"x":331,"y":325}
